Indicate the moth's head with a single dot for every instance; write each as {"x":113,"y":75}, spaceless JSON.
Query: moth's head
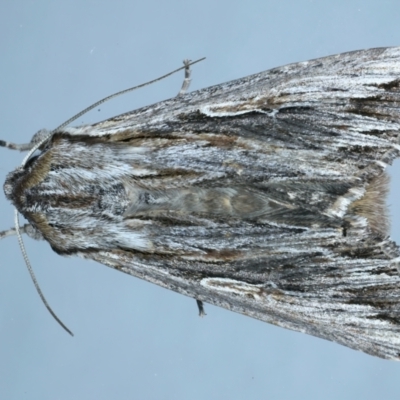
{"x":23,"y":178}
{"x":13,"y":181}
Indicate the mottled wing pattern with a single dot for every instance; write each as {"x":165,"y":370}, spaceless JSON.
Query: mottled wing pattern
{"x":265,"y":195}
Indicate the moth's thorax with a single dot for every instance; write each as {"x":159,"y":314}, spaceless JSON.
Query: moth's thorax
{"x":74,"y":194}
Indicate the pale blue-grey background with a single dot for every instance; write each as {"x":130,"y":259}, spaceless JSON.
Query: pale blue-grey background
{"x":134,"y":340}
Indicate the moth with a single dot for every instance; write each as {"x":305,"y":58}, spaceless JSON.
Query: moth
{"x":265,"y":195}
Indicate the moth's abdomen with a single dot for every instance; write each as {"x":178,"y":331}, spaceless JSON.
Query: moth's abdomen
{"x":226,"y":202}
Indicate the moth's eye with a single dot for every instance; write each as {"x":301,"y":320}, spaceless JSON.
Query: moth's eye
{"x":31,"y":160}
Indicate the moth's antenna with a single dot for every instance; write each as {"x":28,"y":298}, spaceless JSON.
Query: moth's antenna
{"x":33,"y":277}
{"x":94,"y":105}
{"x":186,"y":66}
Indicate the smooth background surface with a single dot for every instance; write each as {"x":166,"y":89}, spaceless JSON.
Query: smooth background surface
{"x":134,"y":340}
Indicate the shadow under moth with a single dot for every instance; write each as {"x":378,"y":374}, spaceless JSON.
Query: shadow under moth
{"x":265,"y":195}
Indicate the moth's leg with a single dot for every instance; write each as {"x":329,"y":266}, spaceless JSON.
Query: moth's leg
{"x":36,"y":138}
{"x":27,"y":228}
{"x":200,"y":306}
{"x":9,"y":232}
{"x":186,"y":81}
